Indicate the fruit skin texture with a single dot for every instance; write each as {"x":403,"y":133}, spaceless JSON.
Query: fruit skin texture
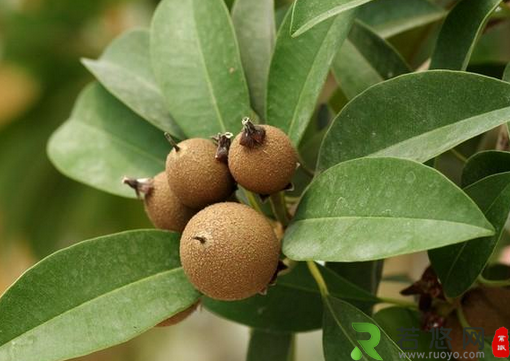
{"x":164,"y":209}
{"x":229,"y":251}
{"x":487,"y":307}
{"x":181,"y":316}
{"x":266,"y":168}
{"x":195,"y":176}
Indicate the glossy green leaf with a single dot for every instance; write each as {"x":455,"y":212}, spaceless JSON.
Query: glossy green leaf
{"x":104,"y":141}
{"x":197,"y":64}
{"x":366,"y":59}
{"x":254,"y":23}
{"x":404,"y":117}
{"x":293,"y":305}
{"x":393,"y":319}
{"x":484,"y":164}
{"x":459,"y":265}
{"x":374,"y":208}
{"x":391,"y":17}
{"x":266,"y":345}
{"x":340,"y":338}
{"x":459,"y":33}
{"x":125,"y":70}
{"x":93,"y":295}
{"x":308,"y":13}
{"x":298,"y":70}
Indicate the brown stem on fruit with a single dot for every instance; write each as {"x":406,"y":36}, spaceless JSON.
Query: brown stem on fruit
{"x":172,"y":142}
{"x":202,"y":240}
{"x":252,"y":134}
{"x":223,"y":140}
{"x":141,"y":186}
{"x":280,"y":268}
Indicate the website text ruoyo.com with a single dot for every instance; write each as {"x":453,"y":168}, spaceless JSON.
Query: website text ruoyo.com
{"x":444,"y":355}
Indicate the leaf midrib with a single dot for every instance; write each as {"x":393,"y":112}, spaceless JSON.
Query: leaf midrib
{"x":115,"y":290}
{"x":438,"y":130}
{"x":311,"y":69}
{"x":206,"y":70}
{"x":339,"y":324}
{"x":90,"y":64}
{"x":336,"y":10}
{"x":385,"y":217}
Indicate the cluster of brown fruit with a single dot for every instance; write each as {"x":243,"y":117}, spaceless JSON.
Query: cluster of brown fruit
{"x":228,"y":250}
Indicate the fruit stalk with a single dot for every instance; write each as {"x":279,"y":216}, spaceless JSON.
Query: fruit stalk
{"x":279,"y":207}
{"x":316,"y":274}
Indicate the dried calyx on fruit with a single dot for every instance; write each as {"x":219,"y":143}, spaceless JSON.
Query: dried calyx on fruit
{"x":223,"y":140}
{"x":229,"y":251}
{"x":262,"y":158}
{"x":196,"y":176}
{"x":431,"y":299}
{"x":163,"y":208}
{"x":179,"y":317}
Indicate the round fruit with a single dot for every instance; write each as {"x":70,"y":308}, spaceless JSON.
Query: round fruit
{"x":196,"y":176}
{"x":457,"y":341}
{"x":262,"y":159}
{"x":163,"y":208}
{"x":181,"y":316}
{"x":487,"y":307}
{"x":229,"y":251}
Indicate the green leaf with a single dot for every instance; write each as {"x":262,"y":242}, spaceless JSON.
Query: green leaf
{"x":484,"y":164}
{"x":391,"y":17}
{"x":125,"y":70}
{"x":254,"y":23}
{"x":493,"y":46}
{"x":93,"y":295}
{"x":404,"y":117}
{"x":459,"y":33}
{"x":366,"y":59}
{"x":308,"y":13}
{"x":104,"y":141}
{"x":293,"y":305}
{"x":366,"y":275}
{"x":197,"y":63}
{"x":340,"y":338}
{"x":392,"y":319}
{"x":459,"y":265}
{"x":298,"y":70}
{"x":374,"y":208}
{"x":506,"y":74}
{"x":266,"y":345}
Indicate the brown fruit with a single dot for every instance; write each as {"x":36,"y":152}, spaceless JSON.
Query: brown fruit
{"x":262,"y":160}
{"x":163,"y":208}
{"x":487,"y":307}
{"x":229,"y":251}
{"x":196,"y":176}
{"x":456,"y":336}
{"x":181,"y":316}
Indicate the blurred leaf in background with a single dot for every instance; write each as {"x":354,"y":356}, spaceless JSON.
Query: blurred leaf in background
{"x":40,"y":76}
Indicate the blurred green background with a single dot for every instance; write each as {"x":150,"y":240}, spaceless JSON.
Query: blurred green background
{"x":41,"y":211}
